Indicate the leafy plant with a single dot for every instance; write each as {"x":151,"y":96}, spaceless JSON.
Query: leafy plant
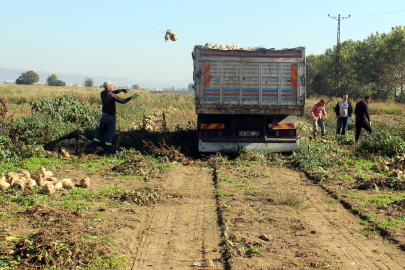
{"x":315,"y":155}
{"x":383,"y":141}
{"x":54,"y":118}
{"x":67,"y":109}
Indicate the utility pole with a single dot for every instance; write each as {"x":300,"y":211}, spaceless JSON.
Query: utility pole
{"x":337,"y":64}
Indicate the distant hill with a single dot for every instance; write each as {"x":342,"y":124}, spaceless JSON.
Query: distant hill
{"x":13,"y":74}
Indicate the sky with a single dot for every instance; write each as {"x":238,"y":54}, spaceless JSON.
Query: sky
{"x":125,"y":38}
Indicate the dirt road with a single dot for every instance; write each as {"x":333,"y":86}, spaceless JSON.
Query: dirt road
{"x":240,"y":215}
{"x":273,"y":218}
{"x":181,"y":232}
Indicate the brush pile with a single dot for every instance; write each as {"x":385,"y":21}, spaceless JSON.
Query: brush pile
{"x":49,"y":249}
{"x":23,"y":180}
{"x":143,"y":196}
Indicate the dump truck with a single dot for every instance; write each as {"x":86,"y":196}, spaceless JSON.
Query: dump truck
{"x":248,"y":99}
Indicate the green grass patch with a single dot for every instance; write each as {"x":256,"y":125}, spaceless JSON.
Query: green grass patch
{"x":95,"y":165}
{"x":242,"y":186}
{"x":220,"y":192}
{"x":390,"y":224}
{"x":74,"y":205}
{"x":331,"y":201}
{"x":31,"y":164}
{"x":378,"y":199}
{"x":111,"y":190}
{"x":99,"y":216}
{"x":23,"y":199}
{"x":4,"y":215}
{"x":33,"y":200}
{"x":361,"y":164}
{"x":77,"y":194}
{"x":226,"y":180}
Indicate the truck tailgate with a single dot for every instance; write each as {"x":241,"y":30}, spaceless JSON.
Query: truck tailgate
{"x":249,"y":82}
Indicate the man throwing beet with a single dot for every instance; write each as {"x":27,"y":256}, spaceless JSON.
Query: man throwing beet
{"x":362,"y":117}
{"x":108,"y":120}
{"x":317,"y":111}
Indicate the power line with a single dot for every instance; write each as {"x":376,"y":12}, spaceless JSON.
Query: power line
{"x":380,"y":13}
{"x":319,"y":36}
{"x":315,"y":30}
{"x":337,"y":65}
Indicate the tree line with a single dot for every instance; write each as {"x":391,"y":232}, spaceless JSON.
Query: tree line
{"x":374,"y":66}
{"x":31,"y":77}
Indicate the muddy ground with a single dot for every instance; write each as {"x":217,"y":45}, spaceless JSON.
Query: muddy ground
{"x":205,"y":215}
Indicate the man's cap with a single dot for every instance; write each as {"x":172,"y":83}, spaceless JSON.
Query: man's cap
{"x":107,"y":84}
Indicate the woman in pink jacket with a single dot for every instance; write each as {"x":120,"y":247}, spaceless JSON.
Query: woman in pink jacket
{"x":317,"y":110}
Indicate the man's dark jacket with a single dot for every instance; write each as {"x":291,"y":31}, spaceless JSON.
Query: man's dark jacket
{"x":361,"y":112}
{"x":108,"y":98}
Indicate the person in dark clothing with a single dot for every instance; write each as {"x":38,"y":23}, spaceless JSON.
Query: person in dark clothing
{"x":108,"y":120}
{"x":362,"y":117}
{"x":343,"y":110}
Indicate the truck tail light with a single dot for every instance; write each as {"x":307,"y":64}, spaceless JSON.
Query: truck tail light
{"x":210,"y":133}
{"x":286,"y":133}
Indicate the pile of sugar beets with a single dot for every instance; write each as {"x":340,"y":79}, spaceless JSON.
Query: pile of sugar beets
{"x":23,"y":180}
{"x":395,"y":168}
{"x":73,"y":146}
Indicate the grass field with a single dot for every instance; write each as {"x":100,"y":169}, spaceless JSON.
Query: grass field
{"x":343,"y":169}
{"x":18,"y":98}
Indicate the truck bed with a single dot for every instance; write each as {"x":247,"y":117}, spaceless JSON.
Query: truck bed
{"x":267,"y":81}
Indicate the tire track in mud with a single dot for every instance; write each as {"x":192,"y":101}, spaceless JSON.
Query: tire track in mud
{"x":312,"y":236}
{"x":181,"y":231}
{"x":227,"y":252}
{"x":383,"y":232}
{"x":338,"y":235}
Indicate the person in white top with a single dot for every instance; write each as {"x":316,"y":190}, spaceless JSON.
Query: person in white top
{"x":343,"y":110}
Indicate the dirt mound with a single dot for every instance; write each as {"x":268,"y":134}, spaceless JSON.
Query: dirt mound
{"x":167,"y":153}
{"x":136,"y":166}
{"x":382,"y":183}
{"x":49,"y":248}
{"x":56,"y":216}
{"x":144,"y":196}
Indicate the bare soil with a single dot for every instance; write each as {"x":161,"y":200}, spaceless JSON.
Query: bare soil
{"x":229,"y":216}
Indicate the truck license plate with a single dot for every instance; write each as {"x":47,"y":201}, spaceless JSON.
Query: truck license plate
{"x":249,"y":133}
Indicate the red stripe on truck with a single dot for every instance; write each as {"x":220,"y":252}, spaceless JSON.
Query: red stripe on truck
{"x":252,"y":55}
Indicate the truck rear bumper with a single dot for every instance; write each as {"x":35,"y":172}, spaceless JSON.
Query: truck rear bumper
{"x":209,"y":147}
{"x":250,"y":140}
